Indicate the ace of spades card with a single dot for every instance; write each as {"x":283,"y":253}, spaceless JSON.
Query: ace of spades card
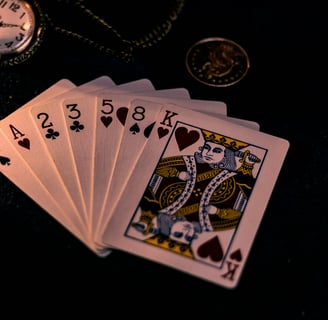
{"x":197,"y":195}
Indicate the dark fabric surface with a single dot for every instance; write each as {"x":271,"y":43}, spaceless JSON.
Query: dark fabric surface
{"x":284,"y":277}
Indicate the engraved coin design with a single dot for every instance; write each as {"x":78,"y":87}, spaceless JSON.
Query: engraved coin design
{"x":217,"y":62}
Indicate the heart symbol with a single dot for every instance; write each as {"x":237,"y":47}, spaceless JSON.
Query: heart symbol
{"x":106,"y":120}
{"x":162,"y":132}
{"x":212,"y":249}
{"x":185,"y":138}
{"x":236,"y":255}
{"x":25,"y":143}
{"x":4,"y":161}
{"x":121,"y":114}
{"x":148,"y":130}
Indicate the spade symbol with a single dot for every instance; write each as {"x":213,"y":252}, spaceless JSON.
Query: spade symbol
{"x":135,"y":129}
{"x":4,"y":161}
{"x":236,"y":255}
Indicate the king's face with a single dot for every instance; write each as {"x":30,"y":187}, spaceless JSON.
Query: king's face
{"x":212,"y":152}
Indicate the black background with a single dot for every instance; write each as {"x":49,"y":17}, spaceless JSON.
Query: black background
{"x":284,"y":278}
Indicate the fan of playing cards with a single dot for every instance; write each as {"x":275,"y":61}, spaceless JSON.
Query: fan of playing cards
{"x":151,"y":172}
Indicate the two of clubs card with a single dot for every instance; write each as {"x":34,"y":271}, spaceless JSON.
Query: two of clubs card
{"x":152,"y":172}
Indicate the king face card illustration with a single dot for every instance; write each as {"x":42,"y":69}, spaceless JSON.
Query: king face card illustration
{"x":204,"y":200}
{"x":197,"y":196}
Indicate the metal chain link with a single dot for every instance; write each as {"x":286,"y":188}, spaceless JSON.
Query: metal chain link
{"x":151,"y":38}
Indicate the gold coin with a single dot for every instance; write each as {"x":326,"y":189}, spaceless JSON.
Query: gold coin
{"x":217,"y":62}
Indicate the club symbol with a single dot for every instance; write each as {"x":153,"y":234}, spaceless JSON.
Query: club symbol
{"x":77,"y":126}
{"x":52,"y":134}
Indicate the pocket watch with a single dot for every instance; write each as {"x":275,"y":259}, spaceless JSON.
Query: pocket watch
{"x":22,"y":27}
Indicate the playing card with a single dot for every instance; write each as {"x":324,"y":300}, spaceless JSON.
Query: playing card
{"x":109,"y":123}
{"x":51,"y":132}
{"x":138,"y":126}
{"x":139,"y":122}
{"x":140,"y":119}
{"x":14,"y":167}
{"x":80,"y":111}
{"x":94,"y":85}
{"x":112,"y":109}
{"x":136,"y":86}
{"x":197,"y":195}
{"x":19,"y":147}
{"x":56,"y":89}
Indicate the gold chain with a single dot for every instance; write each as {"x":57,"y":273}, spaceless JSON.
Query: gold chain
{"x":125,"y":52}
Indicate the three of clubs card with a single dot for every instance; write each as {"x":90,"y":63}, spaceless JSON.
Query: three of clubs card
{"x":152,"y":172}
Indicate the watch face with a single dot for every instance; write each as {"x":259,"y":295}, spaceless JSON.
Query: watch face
{"x":17,"y":24}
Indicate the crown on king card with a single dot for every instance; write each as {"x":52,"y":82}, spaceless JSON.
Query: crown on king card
{"x":232,"y":144}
